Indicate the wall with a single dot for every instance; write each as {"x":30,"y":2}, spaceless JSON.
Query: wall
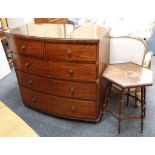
{"x":15,"y":22}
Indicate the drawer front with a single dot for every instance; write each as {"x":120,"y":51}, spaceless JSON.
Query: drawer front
{"x":29,"y":47}
{"x":59,"y":106}
{"x":71,"y":52}
{"x":79,"y":90}
{"x":58,"y":70}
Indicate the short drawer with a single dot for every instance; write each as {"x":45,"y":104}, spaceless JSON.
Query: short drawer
{"x":79,"y":90}
{"x":59,"y":106}
{"x":72,"y":52}
{"x":29,"y":47}
{"x":58,"y":70}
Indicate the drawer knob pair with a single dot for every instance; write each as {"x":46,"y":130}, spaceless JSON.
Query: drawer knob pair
{"x":71,"y":72}
{"x":27,"y":64}
{"x":23,"y":47}
{"x":34,"y":99}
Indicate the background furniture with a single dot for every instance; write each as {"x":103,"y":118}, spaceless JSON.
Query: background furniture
{"x":61,"y":74}
{"x":127,"y":49}
{"x":74,"y":21}
{"x":127,"y":76}
{"x":7,"y":51}
{"x":150,"y":42}
{"x":51,"y":20}
{"x":12,"y":125}
{"x":3,"y":24}
{"x":4,"y":42}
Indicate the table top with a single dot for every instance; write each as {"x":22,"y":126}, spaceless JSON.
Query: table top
{"x":61,"y":31}
{"x":128,"y":75}
{"x":12,"y":125}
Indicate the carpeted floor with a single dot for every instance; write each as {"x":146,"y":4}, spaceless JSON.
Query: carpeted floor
{"x":46,"y":125}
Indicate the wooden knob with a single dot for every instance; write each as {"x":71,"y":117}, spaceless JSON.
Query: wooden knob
{"x":73,"y":109}
{"x":34,"y":99}
{"x":30,"y":82}
{"x":69,"y":52}
{"x":72,"y":90}
{"x":23,"y":47}
{"x":70,"y":72}
{"x":27,"y":64}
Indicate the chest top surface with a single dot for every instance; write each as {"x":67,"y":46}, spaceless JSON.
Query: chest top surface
{"x":61,"y":31}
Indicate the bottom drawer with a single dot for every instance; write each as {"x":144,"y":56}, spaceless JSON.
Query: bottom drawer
{"x":76,"y":109}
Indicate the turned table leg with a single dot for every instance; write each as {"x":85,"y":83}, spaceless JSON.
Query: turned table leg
{"x":142,"y":108}
{"x":120,"y":110}
{"x":128,"y":97}
{"x":144,"y":101}
{"x":108,"y":89}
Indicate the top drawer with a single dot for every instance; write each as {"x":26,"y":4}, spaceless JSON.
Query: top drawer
{"x":71,"y":52}
{"x":29,"y":47}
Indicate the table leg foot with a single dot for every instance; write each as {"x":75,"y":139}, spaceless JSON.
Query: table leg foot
{"x":119,"y":126}
{"x":142,"y":129}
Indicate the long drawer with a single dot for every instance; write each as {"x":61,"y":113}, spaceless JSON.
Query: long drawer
{"x":29,"y":47}
{"x":59,"y":106}
{"x":75,"y":52}
{"x":58,"y":70}
{"x":81,"y":90}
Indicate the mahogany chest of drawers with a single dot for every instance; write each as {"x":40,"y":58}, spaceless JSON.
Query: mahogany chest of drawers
{"x":61,"y":77}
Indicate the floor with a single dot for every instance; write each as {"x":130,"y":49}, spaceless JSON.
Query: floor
{"x":46,"y":125}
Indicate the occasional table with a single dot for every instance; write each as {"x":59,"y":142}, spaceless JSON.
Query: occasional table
{"x":127,"y":76}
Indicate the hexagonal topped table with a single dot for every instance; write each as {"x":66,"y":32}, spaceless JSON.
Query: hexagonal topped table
{"x":126,"y":76}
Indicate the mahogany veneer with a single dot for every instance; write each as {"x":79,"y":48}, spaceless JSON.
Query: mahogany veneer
{"x":81,"y":90}
{"x":59,"y":106}
{"x":71,"y":52}
{"x":29,"y":47}
{"x":58,"y":70}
